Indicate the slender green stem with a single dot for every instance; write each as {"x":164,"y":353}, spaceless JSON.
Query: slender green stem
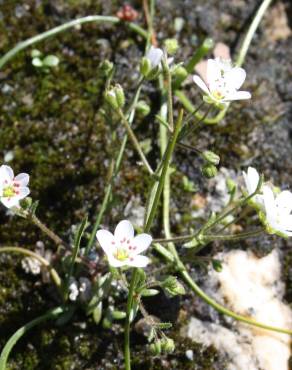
{"x":190,"y":126}
{"x":234,"y":237}
{"x":190,"y":148}
{"x":51,"y":314}
{"x":202,"y":50}
{"x":238,"y":204}
{"x":251,"y":31}
{"x":135,"y":141}
{"x":209,"y":237}
{"x":115,"y":172}
{"x":54,"y":31}
{"x":55,"y":276}
{"x":188,"y":105}
{"x":51,"y":234}
{"x":169,"y":151}
{"x":127,"y":352}
{"x":169,"y":94}
{"x":188,"y":279}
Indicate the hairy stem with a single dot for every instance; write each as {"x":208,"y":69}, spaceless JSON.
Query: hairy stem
{"x":53,"y":236}
{"x":135,"y":141}
{"x":55,"y":276}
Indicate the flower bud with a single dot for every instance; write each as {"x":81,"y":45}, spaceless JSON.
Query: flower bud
{"x":209,"y":171}
{"x":171,"y":46}
{"x":167,"y":345}
{"x":231,"y":186}
{"x":211,"y":157}
{"x":115,"y":97}
{"x":173,"y":286}
{"x":120,"y":95}
{"x":118,"y":315}
{"x":149,"y":292}
{"x":145,"y":66}
{"x":106,"y":67}
{"x":179,"y":75}
{"x":143,"y":108}
{"x":217,"y":265}
{"x":155,"y":348}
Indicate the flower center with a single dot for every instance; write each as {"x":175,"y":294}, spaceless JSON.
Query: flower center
{"x":217,"y":95}
{"x":9,"y":191}
{"x":122,"y":254}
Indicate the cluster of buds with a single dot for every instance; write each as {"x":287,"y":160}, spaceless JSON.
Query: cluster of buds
{"x":212,"y":159}
{"x":163,"y":345}
{"x":172,"y":286}
{"x":115,"y":97}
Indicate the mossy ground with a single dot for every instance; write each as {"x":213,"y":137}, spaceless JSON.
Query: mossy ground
{"x":57,"y":129}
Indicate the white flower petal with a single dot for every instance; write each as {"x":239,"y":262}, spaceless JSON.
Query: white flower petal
{"x":235,"y":77}
{"x":213,"y":70}
{"x":115,"y":262}
{"x":251,"y":179}
{"x":23,"y":192}
{"x":154,"y":55}
{"x":237,"y":95}
{"x":10,"y":202}
{"x":198,"y":81}
{"x":141,"y":242}
{"x":106,"y":241}
{"x":22,"y":179}
{"x":124,"y":230}
{"x":284,"y":201}
{"x":269,"y":200}
{"x":139,"y":261}
{"x":6,"y":174}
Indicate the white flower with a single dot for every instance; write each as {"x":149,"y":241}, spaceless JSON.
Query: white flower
{"x":251,"y":179}
{"x":31,"y":265}
{"x":122,"y":248}
{"x":73,"y":289}
{"x":12,"y":189}
{"x":223,"y":81}
{"x":155,"y":56}
{"x":278,"y":211}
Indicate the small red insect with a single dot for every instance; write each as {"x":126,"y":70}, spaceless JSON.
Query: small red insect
{"x":127,"y":13}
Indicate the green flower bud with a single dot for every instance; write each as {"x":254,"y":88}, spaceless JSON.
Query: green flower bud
{"x":143,"y":108}
{"x":171,"y":46}
{"x":35,"y":53}
{"x":209,"y":171}
{"x":149,"y":292}
{"x":145,"y":67}
{"x":179,"y":75}
{"x":120,"y":95}
{"x":118,"y":315}
{"x":167,"y":345}
{"x":173,"y":286}
{"x":111,"y":99}
{"x":217,"y":265}
{"x":211,"y":157}
{"x":231,"y":186}
{"x":106,"y":67}
{"x":115,"y":97}
{"x":155,"y":348}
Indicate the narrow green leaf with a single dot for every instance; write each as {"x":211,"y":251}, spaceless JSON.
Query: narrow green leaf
{"x":51,"y":314}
